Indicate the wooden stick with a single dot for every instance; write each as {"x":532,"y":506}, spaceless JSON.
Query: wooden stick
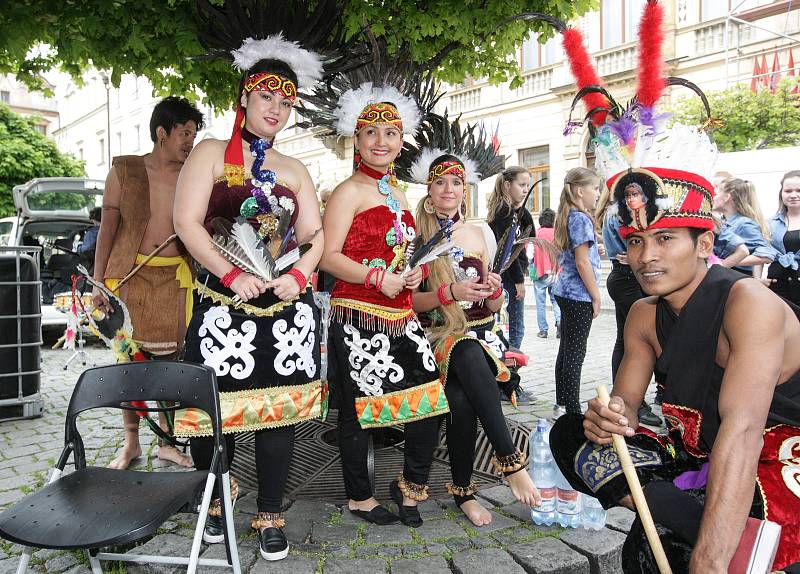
{"x":636,"y":492}
{"x":155,"y":252}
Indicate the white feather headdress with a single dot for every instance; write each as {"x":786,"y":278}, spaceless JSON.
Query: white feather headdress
{"x":306,"y":64}
{"x":422,"y":166}
{"x":353,"y":102}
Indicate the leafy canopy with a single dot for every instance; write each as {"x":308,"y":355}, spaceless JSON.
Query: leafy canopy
{"x":26,"y":154}
{"x":156,"y":38}
{"x":752,"y":120}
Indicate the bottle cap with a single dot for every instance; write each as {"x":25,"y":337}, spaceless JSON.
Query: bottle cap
{"x":541,"y":426}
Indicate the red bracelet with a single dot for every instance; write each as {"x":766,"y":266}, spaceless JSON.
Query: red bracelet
{"x":440,"y":293}
{"x":228,"y":279}
{"x":497,"y":294}
{"x":301,"y":279}
{"x":426,"y":271}
{"x":370,"y":273}
{"x":379,"y":278}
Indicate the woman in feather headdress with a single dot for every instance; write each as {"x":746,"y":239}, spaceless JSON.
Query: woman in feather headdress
{"x":255,"y":321}
{"x":385,"y":372}
{"x":457,"y":303}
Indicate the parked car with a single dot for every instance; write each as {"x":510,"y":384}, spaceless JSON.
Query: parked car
{"x":53,"y":212}
{"x":8,"y":230}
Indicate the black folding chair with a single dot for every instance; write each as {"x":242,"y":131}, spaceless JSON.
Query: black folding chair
{"x":95,"y":507}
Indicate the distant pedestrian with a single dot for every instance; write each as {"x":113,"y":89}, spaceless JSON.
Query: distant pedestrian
{"x":543,"y":275}
{"x":510,"y":188}
{"x":578,"y":286}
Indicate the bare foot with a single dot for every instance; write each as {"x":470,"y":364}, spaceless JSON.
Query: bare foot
{"x":125,"y":457}
{"x":476,"y":513}
{"x":523,"y":489}
{"x":365,"y":505}
{"x":172,"y":454}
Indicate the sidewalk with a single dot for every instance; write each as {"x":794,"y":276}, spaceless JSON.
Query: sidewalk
{"x":323,"y":537}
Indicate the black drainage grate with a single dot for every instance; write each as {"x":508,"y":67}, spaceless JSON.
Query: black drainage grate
{"x":316,"y":471}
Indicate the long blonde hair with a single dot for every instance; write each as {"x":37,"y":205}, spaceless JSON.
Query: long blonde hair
{"x":575,"y":178}
{"x":500,"y":198}
{"x":455,"y":321}
{"x":745,"y":202}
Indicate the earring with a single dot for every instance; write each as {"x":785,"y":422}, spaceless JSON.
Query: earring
{"x":428,"y":206}
{"x":392,"y":176}
{"x":463,"y":208}
{"x":162,"y":142}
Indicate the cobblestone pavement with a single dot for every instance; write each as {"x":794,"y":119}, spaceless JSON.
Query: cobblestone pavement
{"x":324,"y":537}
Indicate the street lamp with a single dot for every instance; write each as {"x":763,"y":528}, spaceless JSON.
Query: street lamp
{"x":107,"y":84}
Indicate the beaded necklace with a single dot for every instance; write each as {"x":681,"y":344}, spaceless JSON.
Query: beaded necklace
{"x":391,"y":201}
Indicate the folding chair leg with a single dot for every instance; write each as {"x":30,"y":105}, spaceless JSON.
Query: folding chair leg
{"x":230,"y":532}
{"x":94,"y":562}
{"x":201,"y":523}
{"x":24,"y":560}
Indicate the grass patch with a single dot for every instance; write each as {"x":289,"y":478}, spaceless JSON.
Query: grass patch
{"x":451,"y":514}
{"x":471,"y":532}
{"x":334,"y":519}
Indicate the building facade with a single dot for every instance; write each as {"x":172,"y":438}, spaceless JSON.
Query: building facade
{"x":25,"y":102}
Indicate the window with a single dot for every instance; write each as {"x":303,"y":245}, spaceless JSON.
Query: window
{"x":611,"y":16}
{"x":710,"y":9}
{"x":535,"y":55}
{"x":136,"y":135}
{"x":41,"y":128}
{"x":5,"y":97}
{"x":119,"y":143}
{"x":633,"y":14}
{"x":537,"y":160}
{"x":80,"y":150}
{"x":102,"y":143}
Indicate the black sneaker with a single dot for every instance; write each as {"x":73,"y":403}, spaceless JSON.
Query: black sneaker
{"x":542,"y":334}
{"x":648,"y":417}
{"x":558,"y":330}
{"x":214,"y":532}
{"x":273,"y":544}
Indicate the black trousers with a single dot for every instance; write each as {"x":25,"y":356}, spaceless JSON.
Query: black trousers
{"x":420,"y":440}
{"x":274,"y":448}
{"x":473,"y":394}
{"x":576,"y":322}
{"x":624,"y":290}
{"x":787,"y":282}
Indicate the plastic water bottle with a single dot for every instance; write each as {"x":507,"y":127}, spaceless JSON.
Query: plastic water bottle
{"x":594,"y":515}
{"x":543,"y":474}
{"x":568,"y":503}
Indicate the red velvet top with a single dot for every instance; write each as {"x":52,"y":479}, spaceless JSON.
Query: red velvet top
{"x":371,"y":241}
{"x":226,"y":200}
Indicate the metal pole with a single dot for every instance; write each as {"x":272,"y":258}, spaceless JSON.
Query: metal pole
{"x":107,"y":83}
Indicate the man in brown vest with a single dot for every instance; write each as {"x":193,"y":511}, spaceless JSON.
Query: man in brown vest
{"x":137,"y":219}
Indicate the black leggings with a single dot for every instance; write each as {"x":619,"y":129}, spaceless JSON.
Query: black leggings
{"x":576,"y":322}
{"x":274,"y":448}
{"x":420,"y":441}
{"x":624,"y":290}
{"x":473,"y":394}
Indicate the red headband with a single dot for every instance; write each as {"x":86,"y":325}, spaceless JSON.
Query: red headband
{"x":269,"y":82}
{"x":380,"y":113}
{"x":445,"y":167}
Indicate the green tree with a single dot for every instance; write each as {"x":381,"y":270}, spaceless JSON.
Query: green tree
{"x":156,"y":38}
{"x":751,"y":120}
{"x":25,"y":154}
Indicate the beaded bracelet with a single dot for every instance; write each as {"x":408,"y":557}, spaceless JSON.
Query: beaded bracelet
{"x":496,"y":294}
{"x":301,"y":279}
{"x":379,"y":278}
{"x":372,"y":271}
{"x":440,"y":293}
{"x":426,"y":271}
{"x":228,"y":279}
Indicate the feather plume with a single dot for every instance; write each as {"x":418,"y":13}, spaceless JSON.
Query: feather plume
{"x":433,"y":254}
{"x":505,"y":245}
{"x":583,"y":70}
{"x":283,"y":233}
{"x":306,"y":64}
{"x":293,"y":255}
{"x":425,"y":248}
{"x":651,"y":81}
{"x":353,"y":102}
{"x":245,"y":249}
